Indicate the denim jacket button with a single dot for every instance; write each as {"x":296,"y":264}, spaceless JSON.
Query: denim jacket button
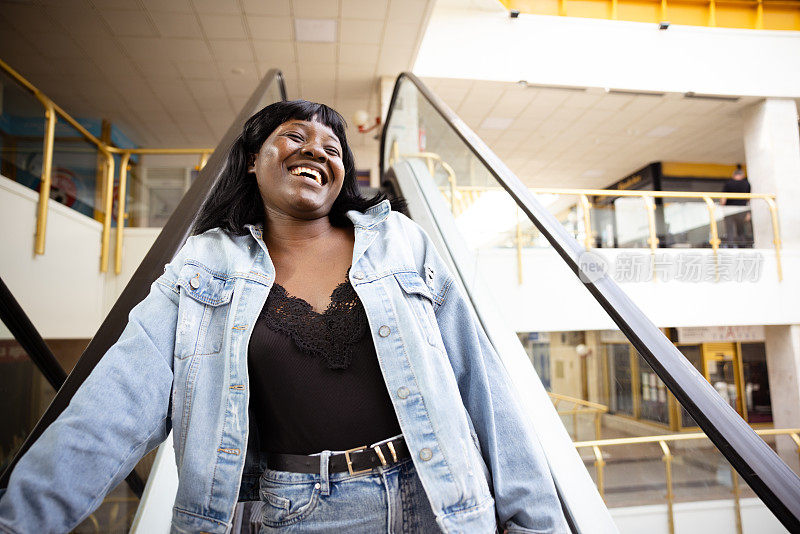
{"x":384,"y":331}
{"x":403,"y":392}
{"x":195,"y":282}
{"x":425,"y":454}
{"x":358,"y":275}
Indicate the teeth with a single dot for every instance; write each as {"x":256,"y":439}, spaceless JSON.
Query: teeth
{"x":308,"y":170}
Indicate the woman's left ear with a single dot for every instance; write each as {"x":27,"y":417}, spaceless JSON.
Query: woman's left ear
{"x":251,"y":163}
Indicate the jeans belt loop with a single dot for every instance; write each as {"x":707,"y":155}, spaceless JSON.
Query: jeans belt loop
{"x":324,"y":473}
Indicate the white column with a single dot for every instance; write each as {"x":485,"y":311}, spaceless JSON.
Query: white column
{"x":783,"y":362}
{"x":772,"y":151}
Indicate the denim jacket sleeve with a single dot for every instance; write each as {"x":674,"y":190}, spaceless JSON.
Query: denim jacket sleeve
{"x":524,"y":491}
{"x":119,"y":413}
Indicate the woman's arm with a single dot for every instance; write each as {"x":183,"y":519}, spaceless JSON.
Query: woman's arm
{"x":119,"y":413}
{"x":524,"y":492}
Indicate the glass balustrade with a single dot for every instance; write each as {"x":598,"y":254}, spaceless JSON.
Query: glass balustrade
{"x":602,"y":388}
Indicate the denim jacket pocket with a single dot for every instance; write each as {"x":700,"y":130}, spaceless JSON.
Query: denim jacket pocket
{"x":202,"y":312}
{"x":421,"y":301}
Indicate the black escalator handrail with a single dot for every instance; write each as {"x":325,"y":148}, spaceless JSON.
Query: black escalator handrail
{"x":771,"y":479}
{"x":21,"y":327}
{"x":166,"y":245}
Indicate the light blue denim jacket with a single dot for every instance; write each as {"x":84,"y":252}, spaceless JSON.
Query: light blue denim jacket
{"x":181,"y":364}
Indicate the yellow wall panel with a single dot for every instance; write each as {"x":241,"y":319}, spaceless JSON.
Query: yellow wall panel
{"x":782,"y":18}
{"x":734,"y":16}
{"x":588,"y":9}
{"x":686,"y":14}
{"x":639,"y":11}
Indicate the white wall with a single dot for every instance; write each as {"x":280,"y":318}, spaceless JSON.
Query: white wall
{"x":600,"y":53}
{"x":717,"y":517}
{"x":551,"y":298}
{"x":63,"y":291}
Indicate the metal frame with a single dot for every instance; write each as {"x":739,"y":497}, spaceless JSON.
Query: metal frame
{"x":167,"y":244}
{"x":771,"y":479}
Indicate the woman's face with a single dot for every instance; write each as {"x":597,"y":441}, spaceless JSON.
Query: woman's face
{"x":299,"y":170}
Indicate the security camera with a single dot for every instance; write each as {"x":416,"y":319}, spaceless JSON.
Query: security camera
{"x":663,"y":25}
{"x":514,"y":13}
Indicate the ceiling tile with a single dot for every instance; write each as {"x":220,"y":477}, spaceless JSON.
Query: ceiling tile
{"x":228,"y":51}
{"x":176,"y":24}
{"x":240,"y":87}
{"x":407,"y":11}
{"x":178,"y":6}
{"x":227,"y":7}
{"x":361,"y":31}
{"x":393,"y":60}
{"x":201,"y":70}
{"x":275,"y":52}
{"x":186,"y":50}
{"x":143,"y":48}
{"x":27,"y":19}
{"x":55,"y":45}
{"x":364,"y":9}
{"x":326,"y":71}
{"x":355,"y":87}
{"x":401,"y":34}
{"x":160,"y":69}
{"x":316,"y":9}
{"x":129,"y":23}
{"x":355,"y":70}
{"x":277,"y":8}
{"x":316,"y":53}
{"x":350,"y":53}
{"x":271,"y":28}
{"x":223,"y":26}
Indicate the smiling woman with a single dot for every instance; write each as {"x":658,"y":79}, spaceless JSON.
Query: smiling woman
{"x":316,"y":362}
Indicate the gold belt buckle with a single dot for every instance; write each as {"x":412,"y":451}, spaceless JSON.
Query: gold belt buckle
{"x":350,"y":462}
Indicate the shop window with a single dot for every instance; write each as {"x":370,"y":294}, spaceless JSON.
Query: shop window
{"x":756,"y":383}
{"x":619,"y":374}
{"x":653,"y":405}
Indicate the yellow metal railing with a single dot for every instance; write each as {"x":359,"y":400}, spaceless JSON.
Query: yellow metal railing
{"x":747,"y":14}
{"x":52,"y":110}
{"x":667,"y":457}
{"x":578,"y":407}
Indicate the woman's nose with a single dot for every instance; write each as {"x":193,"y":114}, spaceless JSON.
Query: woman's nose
{"x":314,"y":151}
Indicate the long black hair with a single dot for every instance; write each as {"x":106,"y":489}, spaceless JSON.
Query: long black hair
{"x":236,"y":201}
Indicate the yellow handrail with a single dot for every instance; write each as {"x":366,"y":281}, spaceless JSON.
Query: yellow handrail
{"x":648,"y":197}
{"x":581,"y":407}
{"x":108,"y":151}
{"x":598,"y":444}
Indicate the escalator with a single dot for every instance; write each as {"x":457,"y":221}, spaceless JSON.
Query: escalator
{"x":428,"y":186}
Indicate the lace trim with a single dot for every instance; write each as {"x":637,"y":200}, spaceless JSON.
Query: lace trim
{"x":331,"y":335}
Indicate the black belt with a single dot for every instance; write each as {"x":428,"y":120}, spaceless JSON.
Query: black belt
{"x":355,"y":461}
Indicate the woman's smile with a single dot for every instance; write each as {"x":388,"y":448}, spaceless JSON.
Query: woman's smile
{"x":299,"y":170}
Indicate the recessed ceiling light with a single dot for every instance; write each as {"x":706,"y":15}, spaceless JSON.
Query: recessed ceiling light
{"x":237,"y":70}
{"x":496,"y":123}
{"x":661,"y":131}
{"x":315,"y":30}
{"x":593,"y":173}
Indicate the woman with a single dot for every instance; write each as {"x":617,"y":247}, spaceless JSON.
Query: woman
{"x":310,"y":351}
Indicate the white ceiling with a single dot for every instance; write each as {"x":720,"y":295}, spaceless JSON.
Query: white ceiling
{"x":176,"y":72}
{"x":559,"y":137}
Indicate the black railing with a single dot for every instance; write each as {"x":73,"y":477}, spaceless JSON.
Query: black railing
{"x":166,"y":245}
{"x":769,"y":477}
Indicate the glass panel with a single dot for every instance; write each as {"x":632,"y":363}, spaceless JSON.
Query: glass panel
{"x":580,"y":368}
{"x":756,"y":383}
{"x":653,"y":404}
{"x":735,"y":225}
{"x":78,"y":178}
{"x":620,"y":375}
{"x":22,"y":125}
{"x":25,"y":392}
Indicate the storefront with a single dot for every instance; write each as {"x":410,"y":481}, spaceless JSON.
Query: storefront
{"x":732,"y":359}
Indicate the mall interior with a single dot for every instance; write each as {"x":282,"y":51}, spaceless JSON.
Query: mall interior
{"x":580,"y":164}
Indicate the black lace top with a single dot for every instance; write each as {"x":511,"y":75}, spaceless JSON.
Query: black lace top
{"x":314,"y":377}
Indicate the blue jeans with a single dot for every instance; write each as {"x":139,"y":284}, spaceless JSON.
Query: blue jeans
{"x":389,"y":500}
